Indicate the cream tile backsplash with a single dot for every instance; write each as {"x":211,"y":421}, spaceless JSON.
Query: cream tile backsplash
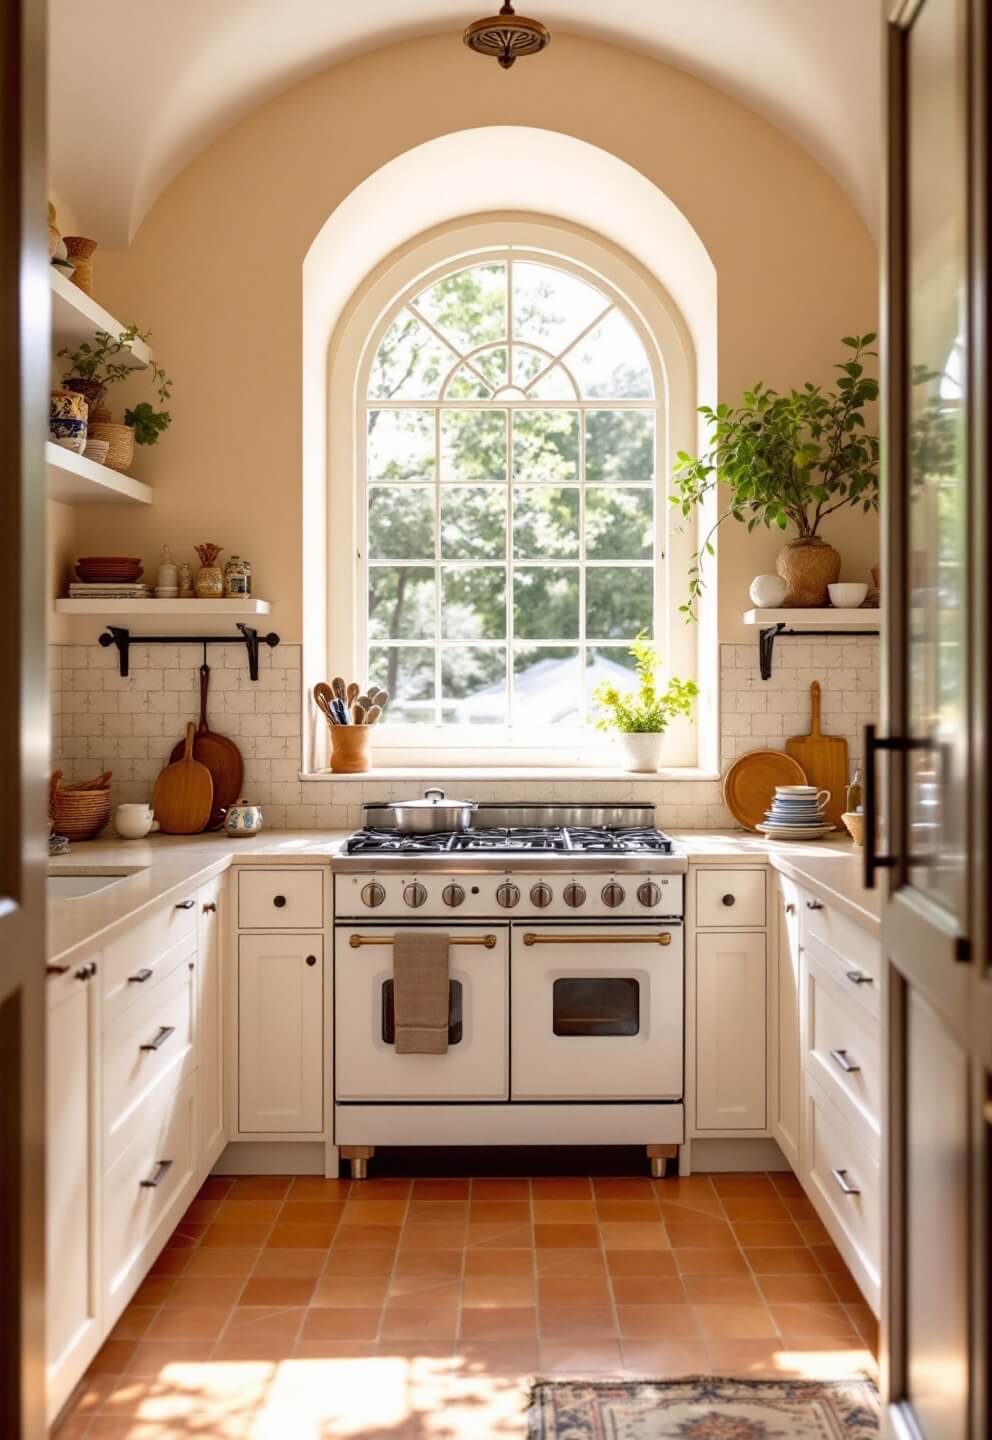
{"x":101,"y":722}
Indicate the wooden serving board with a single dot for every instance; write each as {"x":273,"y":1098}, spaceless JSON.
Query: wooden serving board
{"x":749,"y":784}
{"x":219,"y":754}
{"x":184,"y":793}
{"x":824,"y":758}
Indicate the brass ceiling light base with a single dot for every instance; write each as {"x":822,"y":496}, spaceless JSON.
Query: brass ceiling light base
{"x":506,"y":36}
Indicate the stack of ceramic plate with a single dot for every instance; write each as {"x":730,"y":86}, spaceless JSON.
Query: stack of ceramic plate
{"x":796,"y":813}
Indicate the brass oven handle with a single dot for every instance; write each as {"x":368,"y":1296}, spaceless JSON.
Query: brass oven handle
{"x":488,"y":941}
{"x":663,"y":939}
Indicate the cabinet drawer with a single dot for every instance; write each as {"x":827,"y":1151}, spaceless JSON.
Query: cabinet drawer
{"x":822,"y":921}
{"x":836,"y":1156}
{"x":842,"y":1048}
{"x":145,"y":954}
{"x":133,"y":1071}
{"x":146,"y":1191}
{"x":280,"y":899}
{"x":858,"y":983}
{"x":730,"y":897}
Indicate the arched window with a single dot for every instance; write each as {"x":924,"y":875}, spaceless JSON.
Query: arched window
{"x":509,"y":443}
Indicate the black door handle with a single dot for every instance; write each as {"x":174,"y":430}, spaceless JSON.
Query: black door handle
{"x":311,"y":960}
{"x":185,"y":904}
{"x":139,"y":977}
{"x":163,"y":1034}
{"x":874,"y":861}
{"x":161,"y":1170}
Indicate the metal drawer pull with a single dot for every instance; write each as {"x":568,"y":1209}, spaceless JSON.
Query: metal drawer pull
{"x":185,"y":904}
{"x":839,"y":1057}
{"x":790,"y":909}
{"x":728,"y":900}
{"x":140,"y":977}
{"x":663,"y":939}
{"x":161,"y":1170}
{"x":858,"y":977}
{"x":56,"y":969}
{"x":210,"y":907}
{"x":87,"y":971}
{"x":488,"y":941}
{"x":814,"y":905}
{"x":841,"y":1177}
{"x":163,"y":1034}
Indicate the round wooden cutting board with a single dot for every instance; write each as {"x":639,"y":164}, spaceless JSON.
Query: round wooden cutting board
{"x":749,"y":784}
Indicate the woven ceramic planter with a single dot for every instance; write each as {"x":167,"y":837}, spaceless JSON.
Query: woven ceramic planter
{"x":91,"y":390}
{"x":120,"y":438}
{"x":807,"y":567}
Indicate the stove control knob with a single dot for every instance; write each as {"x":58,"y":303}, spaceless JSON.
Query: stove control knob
{"x":540,"y":895}
{"x":649,"y":893}
{"x":613,"y":894}
{"x":373,"y":894}
{"x":507,"y":894}
{"x":452,"y":894}
{"x":574,"y":894}
{"x":415,"y":895}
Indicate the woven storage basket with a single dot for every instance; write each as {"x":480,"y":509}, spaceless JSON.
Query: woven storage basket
{"x":121,"y":440}
{"x":79,"y":811}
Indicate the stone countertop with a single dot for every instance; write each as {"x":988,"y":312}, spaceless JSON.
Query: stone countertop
{"x":166,"y":867}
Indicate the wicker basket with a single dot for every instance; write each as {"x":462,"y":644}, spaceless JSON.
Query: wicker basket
{"x":79,"y":811}
{"x":80,"y":250}
{"x":120,"y":456}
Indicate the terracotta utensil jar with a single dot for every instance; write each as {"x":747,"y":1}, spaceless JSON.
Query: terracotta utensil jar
{"x":350,"y":749}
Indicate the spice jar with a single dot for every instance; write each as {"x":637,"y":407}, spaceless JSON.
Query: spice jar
{"x":235,"y":578}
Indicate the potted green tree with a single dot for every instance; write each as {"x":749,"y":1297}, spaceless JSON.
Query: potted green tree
{"x":93,"y":369}
{"x":640,"y":717}
{"x":788,"y":460}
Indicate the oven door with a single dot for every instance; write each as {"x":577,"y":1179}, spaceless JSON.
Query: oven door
{"x":366,"y":1064}
{"x":596,"y":1012}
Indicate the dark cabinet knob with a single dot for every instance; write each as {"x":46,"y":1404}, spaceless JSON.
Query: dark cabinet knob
{"x":728,"y":900}
{"x":814,"y":904}
{"x":139,"y":977}
{"x":210,"y":907}
{"x":87,"y":971}
{"x":311,"y":959}
{"x":185,"y":904}
{"x":279,"y":901}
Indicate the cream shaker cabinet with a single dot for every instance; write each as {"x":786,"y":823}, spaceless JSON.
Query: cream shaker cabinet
{"x":787,"y":1089}
{"x":280,"y":1034}
{"x":211,"y":916}
{"x":730,"y":1031}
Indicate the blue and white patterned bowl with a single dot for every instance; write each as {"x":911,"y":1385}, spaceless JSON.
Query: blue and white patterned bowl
{"x":243,"y":819}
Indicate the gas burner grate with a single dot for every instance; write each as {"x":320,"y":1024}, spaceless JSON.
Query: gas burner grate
{"x":513,"y":839}
{"x":632,"y":839}
{"x":394,"y":842}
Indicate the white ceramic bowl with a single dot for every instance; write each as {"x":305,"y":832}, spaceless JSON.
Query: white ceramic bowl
{"x":847,"y":596}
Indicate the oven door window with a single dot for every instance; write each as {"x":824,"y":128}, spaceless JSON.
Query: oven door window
{"x":596,"y":1005}
{"x":454,"y":1013}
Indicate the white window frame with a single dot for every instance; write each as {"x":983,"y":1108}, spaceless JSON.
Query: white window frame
{"x":352,"y":351}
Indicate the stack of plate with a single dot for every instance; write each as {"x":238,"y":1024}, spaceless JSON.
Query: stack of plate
{"x":109,"y":569}
{"x":796,"y":813}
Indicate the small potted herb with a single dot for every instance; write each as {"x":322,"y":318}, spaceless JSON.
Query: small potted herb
{"x":640,"y":717}
{"x":93,"y":369}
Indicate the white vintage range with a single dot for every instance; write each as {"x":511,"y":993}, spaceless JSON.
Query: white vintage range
{"x":566,"y":988}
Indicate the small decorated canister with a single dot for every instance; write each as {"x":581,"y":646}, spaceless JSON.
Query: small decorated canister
{"x":68,"y":416}
{"x":243,"y":819}
{"x":235,"y":577}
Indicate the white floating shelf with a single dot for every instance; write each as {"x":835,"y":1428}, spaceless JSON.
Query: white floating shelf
{"x":77,"y":481}
{"x":76,"y":316}
{"x":822,"y":619}
{"x":146,"y":609}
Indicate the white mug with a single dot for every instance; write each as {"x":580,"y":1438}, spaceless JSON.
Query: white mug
{"x":804,"y":792}
{"x":133,"y":822}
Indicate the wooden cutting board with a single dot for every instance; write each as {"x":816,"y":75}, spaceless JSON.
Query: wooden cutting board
{"x":824,"y":758}
{"x":749,"y":784}
{"x":184,"y":793}
{"x":220,"y":755}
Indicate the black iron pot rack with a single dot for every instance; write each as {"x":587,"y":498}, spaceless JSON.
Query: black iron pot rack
{"x":121,"y":637}
{"x":770,"y":633}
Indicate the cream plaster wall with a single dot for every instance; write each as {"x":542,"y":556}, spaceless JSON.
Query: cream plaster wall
{"x":215,"y":273}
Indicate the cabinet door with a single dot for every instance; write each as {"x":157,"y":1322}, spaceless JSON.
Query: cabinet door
{"x":209,"y":1020}
{"x":730,"y":1031}
{"x":280,"y":1034}
{"x":787,"y":1093}
{"x":73,"y":1168}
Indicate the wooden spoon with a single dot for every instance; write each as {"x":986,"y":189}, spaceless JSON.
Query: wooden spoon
{"x":323,"y":699}
{"x":340,"y":689}
{"x":353,"y":693}
{"x":358,"y":713}
{"x":184,"y":793}
{"x":373,"y":714}
{"x":380,"y":698}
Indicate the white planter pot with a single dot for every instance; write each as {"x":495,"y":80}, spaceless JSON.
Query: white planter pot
{"x":641,"y":750}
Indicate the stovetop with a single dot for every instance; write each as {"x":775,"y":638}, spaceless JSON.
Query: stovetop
{"x":515,"y":840}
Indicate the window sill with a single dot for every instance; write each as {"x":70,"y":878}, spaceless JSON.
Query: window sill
{"x":384,"y":773}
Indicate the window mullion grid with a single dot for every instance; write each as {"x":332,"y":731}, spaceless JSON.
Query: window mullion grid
{"x":510,"y":617}
{"x":437,"y":565}
{"x":583,"y":658}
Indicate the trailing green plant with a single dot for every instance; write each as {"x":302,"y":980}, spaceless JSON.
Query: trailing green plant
{"x":646,"y":710}
{"x":97,"y":362}
{"x":786,"y":459}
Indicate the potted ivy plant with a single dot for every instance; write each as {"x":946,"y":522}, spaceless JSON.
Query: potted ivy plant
{"x":640,"y":717}
{"x":93,"y":369}
{"x":788,"y":460}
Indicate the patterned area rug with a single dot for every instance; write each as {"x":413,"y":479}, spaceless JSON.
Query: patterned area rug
{"x":704,"y":1409}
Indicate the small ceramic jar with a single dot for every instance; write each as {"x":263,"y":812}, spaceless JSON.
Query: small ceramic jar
{"x":243,"y":819}
{"x":134,"y":822}
{"x":235,"y":578}
{"x":68,"y":416}
{"x":184,"y":576}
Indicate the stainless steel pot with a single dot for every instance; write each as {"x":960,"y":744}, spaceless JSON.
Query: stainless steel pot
{"x":435,"y":812}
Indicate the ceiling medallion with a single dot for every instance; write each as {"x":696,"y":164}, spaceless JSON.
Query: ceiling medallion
{"x":506,"y":36}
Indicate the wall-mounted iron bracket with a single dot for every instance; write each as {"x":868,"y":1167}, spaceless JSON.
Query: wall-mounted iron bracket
{"x":770,"y":633}
{"x":123,"y":639}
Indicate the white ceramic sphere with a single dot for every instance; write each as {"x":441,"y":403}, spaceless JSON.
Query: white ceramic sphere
{"x":767,"y":591}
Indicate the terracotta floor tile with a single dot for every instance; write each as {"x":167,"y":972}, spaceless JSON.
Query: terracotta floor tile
{"x":565,"y":1187}
{"x":785,"y":1182}
{"x":153,"y":1357}
{"x":500,"y":1262}
{"x":664,"y":1359}
{"x":566,"y":1237}
{"x":499,"y":1357}
{"x":204,"y":1208}
{"x":354,"y":1262}
{"x":747,"y":1185}
{"x":500,"y":1188}
{"x":657,"y":1322}
{"x":114,"y":1357}
{"x":803,"y":1322}
{"x":374,"y":1212}
{"x":351,"y":1292}
{"x":437,"y":1212}
{"x":333,"y":1349}
{"x":268,"y":1353}
{"x":237,"y":1212}
{"x":799,"y":1207}
{"x":610,"y":1187}
{"x":300,"y":1237}
{"x":518,"y":1322}
{"x":701,"y":1210}
{"x":264,"y":1322}
{"x":314,"y":1187}
{"x":684,"y":1187}
{"x":725,"y":1261}
{"x":754,"y":1209}
{"x":500,"y":1236}
{"x":845,"y":1288}
{"x":236,"y":1237}
{"x":189,"y":1322}
{"x":432,"y":1237}
{"x":366,"y":1237}
{"x":632,"y":1235}
{"x":581,"y":1357}
{"x":498,"y":1291}
{"x":565,"y":1212}
{"x":186,"y":1236}
{"x":172,"y":1262}
{"x":261,"y":1187}
{"x":447,"y":1263}
{"x":640,"y":1262}
{"x":289,"y":1264}
{"x":311,"y":1212}
{"x":569,"y":1322}
{"x":812,"y":1232}
{"x":756,"y":1235}
{"x":735,"y":1322}
{"x":133,"y":1324}
{"x":424,"y":1292}
{"x":153,"y":1291}
{"x":781,"y":1262}
{"x":330,"y":1323}
{"x":277,"y":1290}
{"x":865,"y":1323}
{"x":380,"y":1190}
{"x":400,"y":1322}
{"x":484,"y":1212}
{"x":722,"y":1290}
{"x":212,"y":1291}
{"x":749,"y":1359}
{"x":648,"y":1290}
{"x":796,"y":1289}
{"x":441,"y":1189}
{"x":704,"y":1236}
{"x":222,"y":1262}
{"x":829,"y":1260}
{"x":569,"y":1262}
{"x":642,"y":1211}
{"x":573,"y":1290}
{"x":832,"y":1359}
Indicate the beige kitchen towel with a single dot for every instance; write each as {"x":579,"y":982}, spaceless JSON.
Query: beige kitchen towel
{"x":420,"y":992}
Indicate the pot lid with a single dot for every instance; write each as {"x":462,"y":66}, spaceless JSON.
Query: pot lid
{"x":434,"y":799}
